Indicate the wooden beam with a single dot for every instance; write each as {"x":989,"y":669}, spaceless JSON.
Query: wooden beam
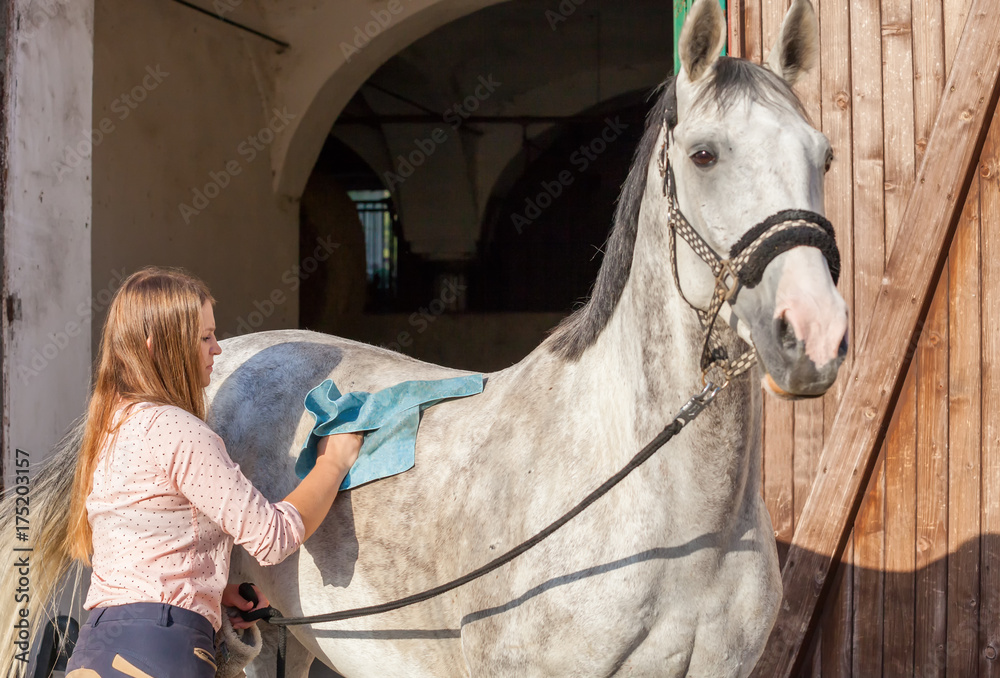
{"x":877,"y":376}
{"x":735,"y":20}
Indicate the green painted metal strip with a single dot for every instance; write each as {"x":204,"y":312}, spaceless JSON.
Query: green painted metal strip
{"x":681,"y":9}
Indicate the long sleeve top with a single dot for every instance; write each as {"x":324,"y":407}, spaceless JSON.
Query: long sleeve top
{"x":167,"y":505}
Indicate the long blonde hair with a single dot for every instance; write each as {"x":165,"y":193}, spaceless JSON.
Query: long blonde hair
{"x":164,"y":306}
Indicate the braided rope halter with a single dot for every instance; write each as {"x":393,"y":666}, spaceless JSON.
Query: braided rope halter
{"x":744,"y":268}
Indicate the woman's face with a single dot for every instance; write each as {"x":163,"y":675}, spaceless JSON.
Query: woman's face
{"x":208,"y":347}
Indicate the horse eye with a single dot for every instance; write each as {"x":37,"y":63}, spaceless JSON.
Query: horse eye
{"x":829,"y":161}
{"x":703,"y":158}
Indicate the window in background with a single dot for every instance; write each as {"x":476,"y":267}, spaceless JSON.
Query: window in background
{"x":381,"y":244}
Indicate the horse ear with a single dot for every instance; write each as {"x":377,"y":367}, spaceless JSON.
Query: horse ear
{"x":797,"y":46}
{"x":702,"y":38}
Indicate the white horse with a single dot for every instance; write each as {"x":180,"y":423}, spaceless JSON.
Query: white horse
{"x":672,"y":573}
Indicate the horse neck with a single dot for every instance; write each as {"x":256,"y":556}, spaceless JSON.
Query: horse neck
{"x":647,"y":358}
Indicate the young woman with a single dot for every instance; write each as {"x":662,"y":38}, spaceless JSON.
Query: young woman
{"x":158,"y":503}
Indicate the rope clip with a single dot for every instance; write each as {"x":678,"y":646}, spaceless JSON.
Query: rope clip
{"x":698,"y":403}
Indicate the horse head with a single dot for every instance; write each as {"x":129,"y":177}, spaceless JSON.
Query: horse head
{"x":741,"y":158}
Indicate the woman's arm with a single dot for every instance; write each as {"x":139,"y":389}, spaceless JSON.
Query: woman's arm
{"x":314,"y":496}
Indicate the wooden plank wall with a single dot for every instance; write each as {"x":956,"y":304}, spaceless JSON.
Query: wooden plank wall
{"x":918,"y":590}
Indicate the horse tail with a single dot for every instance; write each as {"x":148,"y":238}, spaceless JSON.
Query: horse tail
{"x":34,"y":560}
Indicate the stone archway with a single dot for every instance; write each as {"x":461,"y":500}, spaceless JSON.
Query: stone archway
{"x":319,"y":79}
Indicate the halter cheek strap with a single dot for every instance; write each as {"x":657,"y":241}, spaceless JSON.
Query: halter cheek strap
{"x":746,"y":263}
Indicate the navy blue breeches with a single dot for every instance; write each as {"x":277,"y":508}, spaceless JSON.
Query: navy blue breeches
{"x":144,"y":640}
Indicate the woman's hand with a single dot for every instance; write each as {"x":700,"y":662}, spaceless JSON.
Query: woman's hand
{"x":313,"y":497}
{"x":340,"y":449}
{"x":231,"y":597}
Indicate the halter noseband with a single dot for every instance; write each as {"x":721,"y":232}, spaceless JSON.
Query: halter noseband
{"x":747,"y":259}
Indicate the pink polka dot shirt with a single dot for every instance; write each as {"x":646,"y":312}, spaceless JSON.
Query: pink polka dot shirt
{"x":166,"y":507}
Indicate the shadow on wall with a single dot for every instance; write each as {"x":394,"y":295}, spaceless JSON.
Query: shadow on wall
{"x":936,"y":620}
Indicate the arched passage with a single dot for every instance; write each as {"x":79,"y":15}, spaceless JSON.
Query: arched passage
{"x":463,"y":123}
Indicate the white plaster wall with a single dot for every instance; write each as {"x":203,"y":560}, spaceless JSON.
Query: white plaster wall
{"x":47,"y":220}
{"x":209,"y":123}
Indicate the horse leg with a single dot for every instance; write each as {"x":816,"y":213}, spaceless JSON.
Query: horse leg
{"x":297,"y":658}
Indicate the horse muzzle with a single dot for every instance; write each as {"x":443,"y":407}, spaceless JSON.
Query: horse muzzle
{"x":796,"y":375}
{"x":767,"y":277}
{"x":801,"y":335}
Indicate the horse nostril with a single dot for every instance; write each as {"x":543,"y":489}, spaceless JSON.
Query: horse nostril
{"x":842,"y":349}
{"x":786,"y":335}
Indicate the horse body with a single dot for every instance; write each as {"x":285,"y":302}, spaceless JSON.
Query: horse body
{"x":612,"y":589}
{"x":672,"y":573}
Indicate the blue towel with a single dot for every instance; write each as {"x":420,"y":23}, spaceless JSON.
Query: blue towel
{"x":392,"y":414}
